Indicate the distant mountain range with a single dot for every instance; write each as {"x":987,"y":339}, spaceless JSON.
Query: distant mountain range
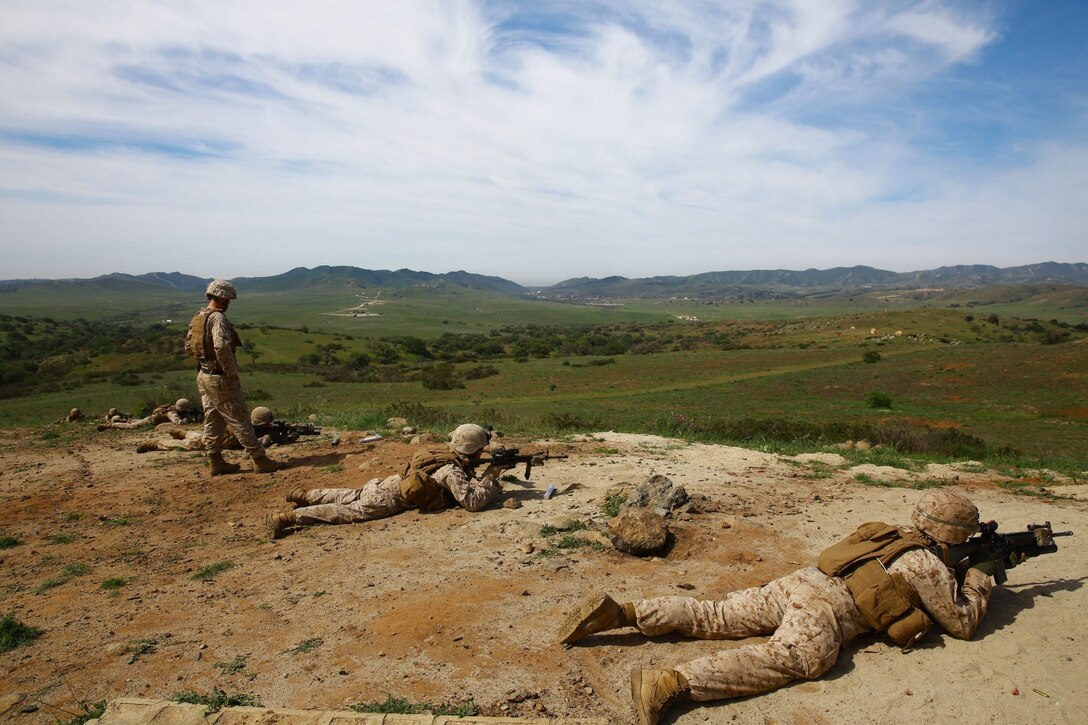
{"x":707,"y":284}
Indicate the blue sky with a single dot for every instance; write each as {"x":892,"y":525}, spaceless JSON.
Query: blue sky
{"x":540,"y":141}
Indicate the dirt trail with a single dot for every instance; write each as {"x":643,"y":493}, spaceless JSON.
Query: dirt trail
{"x":454,"y":605}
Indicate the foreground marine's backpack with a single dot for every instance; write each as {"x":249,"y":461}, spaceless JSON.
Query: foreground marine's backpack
{"x":418,"y":488}
{"x":886,"y":601}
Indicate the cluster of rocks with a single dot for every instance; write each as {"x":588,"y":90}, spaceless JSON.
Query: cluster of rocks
{"x":409,"y":433}
{"x":660,"y":495}
{"x":640,"y":528}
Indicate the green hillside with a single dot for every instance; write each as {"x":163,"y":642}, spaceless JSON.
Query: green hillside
{"x":957,"y":384}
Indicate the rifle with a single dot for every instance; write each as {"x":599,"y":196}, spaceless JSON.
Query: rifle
{"x":510,"y":457}
{"x":283,"y":432}
{"x":1037,"y":540}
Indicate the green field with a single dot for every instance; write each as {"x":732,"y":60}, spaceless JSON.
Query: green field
{"x":1005,"y":385}
{"x":432,"y":310}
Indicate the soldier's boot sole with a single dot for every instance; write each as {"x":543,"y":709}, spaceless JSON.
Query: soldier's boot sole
{"x":597,"y":612}
{"x":653,"y":691}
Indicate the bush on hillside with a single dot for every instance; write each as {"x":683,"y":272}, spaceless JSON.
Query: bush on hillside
{"x":878,"y":400}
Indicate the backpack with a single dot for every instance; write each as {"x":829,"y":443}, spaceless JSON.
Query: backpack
{"x":887,"y":601}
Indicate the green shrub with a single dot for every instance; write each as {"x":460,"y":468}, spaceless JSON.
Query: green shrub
{"x":306,"y":645}
{"x":878,"y":400}
{"x":209,"y":572}
{"x":871,"y":356}
{"x":440,"y":377}
{"x":613,"y":504}
{"x":404,"y":706}
{"x":126,"y":379}
{"x":14,"y":633}
{"x":480,"y":371}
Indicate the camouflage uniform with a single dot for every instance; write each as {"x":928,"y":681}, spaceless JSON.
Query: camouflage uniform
{"x":160,"y":415}
{"x":809,"y":616}
{"x":221,"y":389}
{"x":184,"y":441}
{"x":381,"y":497}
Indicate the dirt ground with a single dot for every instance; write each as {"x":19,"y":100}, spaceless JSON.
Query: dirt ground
{"x":452,"y":606}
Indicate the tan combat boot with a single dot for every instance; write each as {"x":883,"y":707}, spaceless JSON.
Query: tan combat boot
{"x":655,"y":690}
{"x":220,"y":466}
{"x":264,"y":464}
{"x":598,"y":612}
{"x":298,"y":496}
{"x":276,"y":525}
{"x":147,"y":447}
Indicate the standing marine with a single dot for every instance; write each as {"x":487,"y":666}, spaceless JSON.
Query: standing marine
{"x":881,"y":578}
{"x":212,"y":340}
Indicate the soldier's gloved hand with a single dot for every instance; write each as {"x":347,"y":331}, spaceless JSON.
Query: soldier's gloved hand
{"x":493,"y":472}
{"x":981,"y":560}
{"x":1015,"y":560}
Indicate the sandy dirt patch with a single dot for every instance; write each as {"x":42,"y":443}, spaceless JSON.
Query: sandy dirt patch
{"x":454,"y":605}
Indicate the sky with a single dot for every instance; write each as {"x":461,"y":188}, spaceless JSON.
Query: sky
{"x":540,"y":141}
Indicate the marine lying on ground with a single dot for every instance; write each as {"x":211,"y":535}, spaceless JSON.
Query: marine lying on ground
{"x":280,"y":432}
{"x":882,"y":578}
{"x":180,"y":412}
{"x":436,"y":477}
{"x":74,"y":415}
{"x":269,"y":431}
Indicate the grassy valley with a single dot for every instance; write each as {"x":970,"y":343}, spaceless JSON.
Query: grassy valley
{"x":961,"y":380}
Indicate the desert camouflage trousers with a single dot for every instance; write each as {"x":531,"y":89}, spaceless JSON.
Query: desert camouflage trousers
{"x":190,"y":441}
{"x":225,"y":410}
{"x":809,"y":615}
{"x":380,"y":497}
{"x":153,"y":419}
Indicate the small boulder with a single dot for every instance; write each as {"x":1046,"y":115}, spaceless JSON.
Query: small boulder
{"x":424,"y":437}
{"x":394,"y":423}
{"x":407,"y":430}
{"x":638,"y":531}
{"x":561,"y":522}
{"x":658,"y":493}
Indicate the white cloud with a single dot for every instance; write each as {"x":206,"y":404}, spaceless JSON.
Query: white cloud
{"x":624,"y":137}
{"x":957,"y":38}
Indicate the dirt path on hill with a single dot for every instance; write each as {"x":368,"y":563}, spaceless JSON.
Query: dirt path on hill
{"x":453,"y":606}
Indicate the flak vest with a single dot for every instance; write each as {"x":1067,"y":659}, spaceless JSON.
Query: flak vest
{"x":418,"y":489}
{"x":200,"y":339}
{"x":887,"y":601}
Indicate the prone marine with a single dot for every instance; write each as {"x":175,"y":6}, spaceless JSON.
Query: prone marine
{"x":891,"y":579}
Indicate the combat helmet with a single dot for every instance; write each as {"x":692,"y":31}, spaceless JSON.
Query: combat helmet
{"x":260,"y":415}
{"x":469,"y":438}
{"x":221,"y":288}
{"x":946,"y":516}
{"x":183,"y":405}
